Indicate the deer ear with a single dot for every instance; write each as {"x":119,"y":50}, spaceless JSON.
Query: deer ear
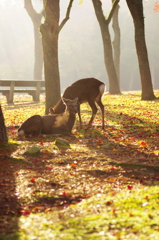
{"x":63,"y":101}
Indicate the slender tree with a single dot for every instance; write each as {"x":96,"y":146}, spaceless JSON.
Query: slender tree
{"x":136,"y":10}
{"x":50,"y":32}
{"x":114,"y":87}
{"x":116,"y":41}
{"x":36,"y":20}
{"x":3,"y":132}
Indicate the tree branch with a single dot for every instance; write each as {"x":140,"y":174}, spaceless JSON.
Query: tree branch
{"x":115,"y":3}
{"x":31,"y":11}
{"x":67,"y":15}
{"x":98,"y":11}
{"x":29,"y":8}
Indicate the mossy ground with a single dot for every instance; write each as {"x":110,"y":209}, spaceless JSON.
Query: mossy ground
{"x":106,"y":186}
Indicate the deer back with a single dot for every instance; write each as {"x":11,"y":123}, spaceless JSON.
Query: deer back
{"x":85,"y":89}
{"x":32,"y":125}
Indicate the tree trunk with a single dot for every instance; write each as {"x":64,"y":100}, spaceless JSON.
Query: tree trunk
{"x":116,"y":41}
{"x":136,"y":10}
{"x":36,"y":20}
{"x":38,"y":63}
{"x":107,"y":45}
{"x":50,"y":32}
{"x":3,"y":132}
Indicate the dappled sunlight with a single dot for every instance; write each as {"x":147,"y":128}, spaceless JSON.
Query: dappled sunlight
{"x":123,"y":156}
{"x":126,"y":127}
{"x":132,"y":121}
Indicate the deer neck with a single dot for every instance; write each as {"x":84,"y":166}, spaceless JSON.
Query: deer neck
{"x":71,"y":118}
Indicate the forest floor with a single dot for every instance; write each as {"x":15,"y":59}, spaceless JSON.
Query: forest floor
{"x":106,"y":186}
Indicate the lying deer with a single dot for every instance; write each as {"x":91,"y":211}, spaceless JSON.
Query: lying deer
{"x":52,"y":124}
{"x":87,"y":90}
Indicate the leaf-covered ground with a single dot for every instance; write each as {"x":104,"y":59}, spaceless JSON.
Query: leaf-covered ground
{"x":106,"y":186}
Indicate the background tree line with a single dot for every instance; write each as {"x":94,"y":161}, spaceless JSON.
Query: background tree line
{"x":80,"y":44}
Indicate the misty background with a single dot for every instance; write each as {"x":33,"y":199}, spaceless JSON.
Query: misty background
{"x":80,"y":43}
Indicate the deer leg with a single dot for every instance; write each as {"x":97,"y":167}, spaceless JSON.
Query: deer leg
{"x":79,"y":114}
{"x":94,"y":111}
{"x":100,"y":104}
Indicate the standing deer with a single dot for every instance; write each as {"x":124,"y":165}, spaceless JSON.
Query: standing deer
{"x":88,"y":90}
{"x":52,"y":124}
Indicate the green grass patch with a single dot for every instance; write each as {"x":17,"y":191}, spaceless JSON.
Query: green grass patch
{"x":130,"y":214}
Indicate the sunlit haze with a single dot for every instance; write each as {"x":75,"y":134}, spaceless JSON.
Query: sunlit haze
{"x":80,"y":44}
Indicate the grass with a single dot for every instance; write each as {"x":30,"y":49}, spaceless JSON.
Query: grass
{"x":124,"y":215}
{"x":106,"y":186}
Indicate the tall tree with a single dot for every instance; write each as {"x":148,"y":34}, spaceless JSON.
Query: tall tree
{"x":3,"y":132}
{"x":116,"y":41}
{"x":36,"y":20}
{"x":114,"y":87}
{"x":136,"y":10}
{"x":50,"y":32}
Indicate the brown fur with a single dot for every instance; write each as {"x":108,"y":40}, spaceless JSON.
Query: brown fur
{"x":87,"y":90}
{"x":51,"y":124}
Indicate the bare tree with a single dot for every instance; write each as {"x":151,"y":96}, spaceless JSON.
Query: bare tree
{"x":136,"y":10}
{"x":114,"y":87}
{"x":3,"y":132}
{"x":36,"y":20}
{"x":50,"y":32}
